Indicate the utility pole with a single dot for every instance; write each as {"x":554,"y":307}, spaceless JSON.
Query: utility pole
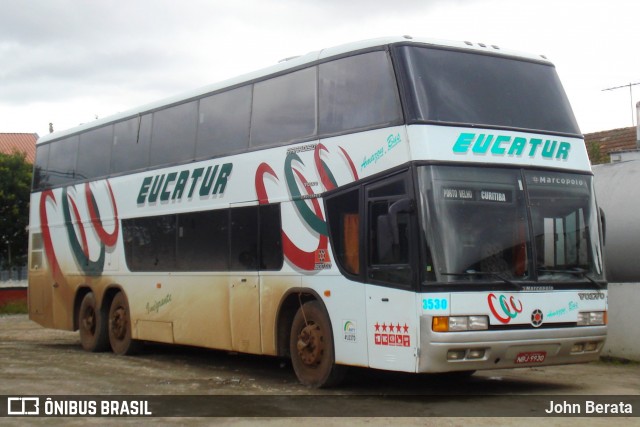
{"x":630,"y":86}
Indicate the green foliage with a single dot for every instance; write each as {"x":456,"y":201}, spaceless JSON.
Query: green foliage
{"x":15,"y":307}
{"x":595,"y":154}
{"x":15,"y":187}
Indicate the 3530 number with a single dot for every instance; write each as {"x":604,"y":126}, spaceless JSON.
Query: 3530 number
{"x":434,"y":304}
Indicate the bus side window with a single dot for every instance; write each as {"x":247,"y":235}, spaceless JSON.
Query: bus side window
{"x":351,"y":235}
{"x":389,"y":233}
{"x":173,"y":134}
{"x":94,"y":153}
{"x":284,"y":109}
{"x":358,"y":92}
{"x":131,"y":141}
{"x":271,"y":256}
{"x":243,"y":239}
{"x":202,"y":241}
{"x":61,"y":167}
{"x":344,"y":228}
{"x":150,"y":243}
{"x":223,"y":123}
{"x":255,"y":240}
{"x":41,"y":175}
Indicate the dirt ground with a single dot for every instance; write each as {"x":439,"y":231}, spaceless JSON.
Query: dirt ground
{"x":38,"y":361}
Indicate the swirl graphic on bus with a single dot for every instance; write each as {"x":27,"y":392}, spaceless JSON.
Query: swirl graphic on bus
{"x":311,"y":215}
{"x":509,"y":308}
{"x":72,"y":221}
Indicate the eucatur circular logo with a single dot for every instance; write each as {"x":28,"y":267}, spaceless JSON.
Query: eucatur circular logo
{"x":536,"y":317}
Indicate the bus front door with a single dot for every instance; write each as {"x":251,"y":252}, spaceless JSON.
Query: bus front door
{"x":391,"y":329}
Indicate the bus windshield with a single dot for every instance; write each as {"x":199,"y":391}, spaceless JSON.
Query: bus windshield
{"x":447,"y":86}
{"x":479,"y":224}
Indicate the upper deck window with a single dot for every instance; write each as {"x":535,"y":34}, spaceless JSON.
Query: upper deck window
{"x":223,"y":123}
{"x":284,"y":109}
{"x":61,"y":168}
{"x":131,"y":141}
{"x":358,"y":92}
{"x":478,"y":89}
{"x":173,"y":135}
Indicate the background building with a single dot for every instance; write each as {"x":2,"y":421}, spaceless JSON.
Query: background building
{"x":601,"y":144}
{"x":20,"y":142}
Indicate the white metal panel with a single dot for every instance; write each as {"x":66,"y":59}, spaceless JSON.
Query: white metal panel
{"x":392,"y":328}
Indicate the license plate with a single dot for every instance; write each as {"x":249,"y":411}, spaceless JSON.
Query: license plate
{"x":531,"y":357}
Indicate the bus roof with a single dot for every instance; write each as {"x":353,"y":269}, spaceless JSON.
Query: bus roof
{"x":291,"y":63}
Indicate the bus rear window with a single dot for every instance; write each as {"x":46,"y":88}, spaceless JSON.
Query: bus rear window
{"x":478,"y":89}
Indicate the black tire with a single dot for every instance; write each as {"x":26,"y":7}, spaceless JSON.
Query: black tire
{"x":92,"y":323}
{"x":120,"y":327}
{"x":312,"y":349}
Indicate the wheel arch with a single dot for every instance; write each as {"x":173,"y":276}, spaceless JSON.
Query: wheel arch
{"x":289,"y":304}
{"x":110,"y":293}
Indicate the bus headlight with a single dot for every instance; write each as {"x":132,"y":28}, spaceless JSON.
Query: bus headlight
{"x":592,"y":318}
{"x":459,"y":323}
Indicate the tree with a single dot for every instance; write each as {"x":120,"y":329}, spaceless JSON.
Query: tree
{"x":15,"y":186}
{"x":596,"y":155}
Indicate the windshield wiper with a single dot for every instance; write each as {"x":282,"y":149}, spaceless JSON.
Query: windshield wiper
{"x":581,"y":272}
{"x":485,"y":273}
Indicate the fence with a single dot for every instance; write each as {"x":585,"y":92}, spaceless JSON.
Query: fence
{"x":16,"y":274}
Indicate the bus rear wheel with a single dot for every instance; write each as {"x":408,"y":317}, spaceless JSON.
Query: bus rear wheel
{"x":92,"y":323}
{"x":312,"y":349}
{"x":120,"y":327}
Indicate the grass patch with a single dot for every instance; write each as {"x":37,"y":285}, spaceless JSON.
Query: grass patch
{"x":14,"y":307}
{"x":617,"y":361}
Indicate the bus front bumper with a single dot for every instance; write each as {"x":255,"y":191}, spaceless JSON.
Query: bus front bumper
{"x":478,"y":350}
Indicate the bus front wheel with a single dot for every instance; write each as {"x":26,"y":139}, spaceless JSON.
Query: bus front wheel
{"x":92,"y":323}
{"x":312,"y":349}
{"x":120,"y":327}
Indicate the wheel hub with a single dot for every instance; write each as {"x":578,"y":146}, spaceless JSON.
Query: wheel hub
{"x":89,"y":320}
{"x":311,"y":345}
{"x":119,"y":323}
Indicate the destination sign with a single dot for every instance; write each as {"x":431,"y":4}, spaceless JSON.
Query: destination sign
{"x":457,"y":194}
{"x":474,"y":195}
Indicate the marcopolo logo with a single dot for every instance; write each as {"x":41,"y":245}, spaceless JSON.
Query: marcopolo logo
{"x":506,"y":145}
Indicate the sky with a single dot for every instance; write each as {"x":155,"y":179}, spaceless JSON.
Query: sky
{"x":69,"y":62}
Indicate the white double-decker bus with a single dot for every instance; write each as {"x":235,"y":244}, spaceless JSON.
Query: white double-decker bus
{"x":401,"y":204}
